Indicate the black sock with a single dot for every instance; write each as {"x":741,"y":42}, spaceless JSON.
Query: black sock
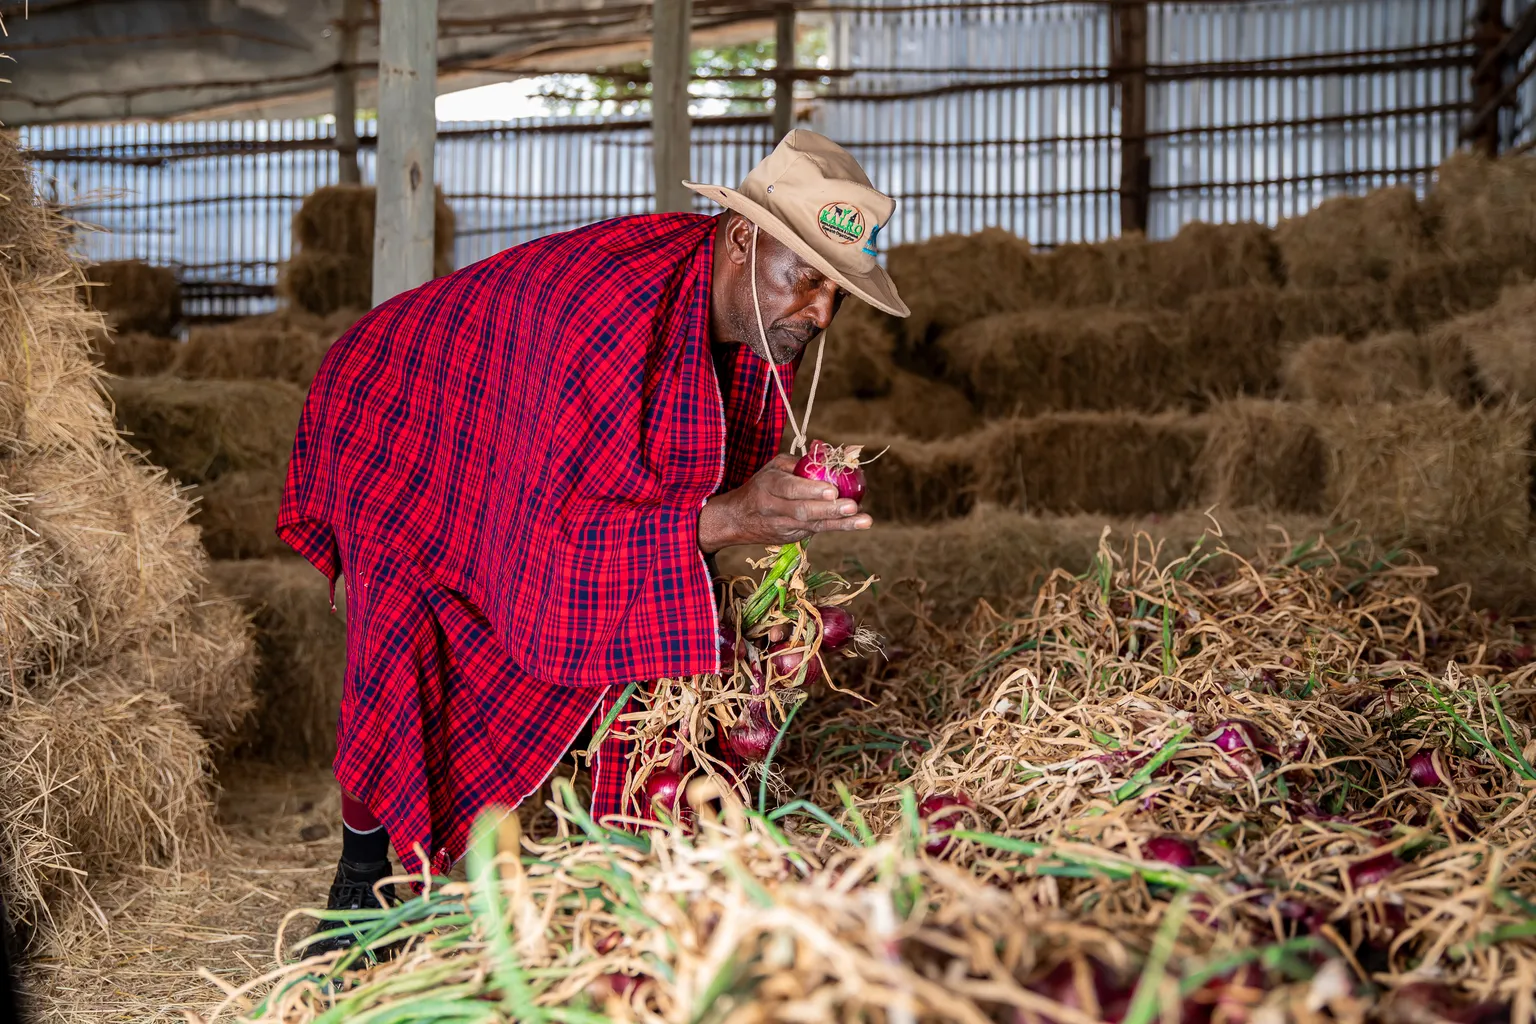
{"x":364,"y":847}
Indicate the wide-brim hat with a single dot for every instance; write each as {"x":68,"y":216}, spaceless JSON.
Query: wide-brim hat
{"x":811,"y":195}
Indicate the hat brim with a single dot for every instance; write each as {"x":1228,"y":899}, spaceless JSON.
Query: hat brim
{"x":875,"y":287}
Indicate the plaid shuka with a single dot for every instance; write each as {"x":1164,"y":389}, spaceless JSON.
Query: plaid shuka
{"x":507,"y":464}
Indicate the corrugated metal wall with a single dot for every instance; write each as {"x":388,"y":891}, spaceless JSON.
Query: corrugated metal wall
{"x":973,"y":113}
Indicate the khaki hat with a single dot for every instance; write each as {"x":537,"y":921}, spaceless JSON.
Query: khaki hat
{"x":810,"y":194}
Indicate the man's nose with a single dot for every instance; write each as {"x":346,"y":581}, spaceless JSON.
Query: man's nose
{"x":825,"y":306}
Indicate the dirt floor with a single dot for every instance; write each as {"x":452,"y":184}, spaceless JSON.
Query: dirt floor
{"x":164,"y":927}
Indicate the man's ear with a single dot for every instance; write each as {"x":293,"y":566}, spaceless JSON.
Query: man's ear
{"x":738,"y":239}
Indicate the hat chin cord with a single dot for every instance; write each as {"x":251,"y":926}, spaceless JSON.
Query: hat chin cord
{"x":797,"y":444}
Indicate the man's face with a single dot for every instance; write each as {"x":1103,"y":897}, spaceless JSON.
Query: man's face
{"x":796,"y":299}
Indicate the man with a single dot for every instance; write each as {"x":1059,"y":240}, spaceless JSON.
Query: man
{"x":521,"y":468}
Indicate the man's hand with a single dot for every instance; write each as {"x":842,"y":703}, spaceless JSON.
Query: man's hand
{"x":776,"y":507}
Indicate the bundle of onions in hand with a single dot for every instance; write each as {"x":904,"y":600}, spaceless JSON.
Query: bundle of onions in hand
{"x":836,"y":465}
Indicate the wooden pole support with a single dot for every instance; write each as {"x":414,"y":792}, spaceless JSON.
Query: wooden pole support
{"x":671,"y":21}
{"x":1130,"y":60}
{"x":402,"y":238}
{"x":344,"y":94}
{"x":783,"y":71}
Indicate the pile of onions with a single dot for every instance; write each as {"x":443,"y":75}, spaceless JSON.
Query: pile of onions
{"x":836,"y":465}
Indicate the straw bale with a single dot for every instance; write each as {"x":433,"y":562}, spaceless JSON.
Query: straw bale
{"x":954,"y":279}
{"x":121,"y":530}
{"x":95,"y":776}
{"x":339,"y":219}
{"x":915,"y":481}
{"x":201,"y":429}
{"x":1048,"y":360}
{"x":324,"y":282}
{"x":303,"y":647}
{"x":1265,"y":455}
{"x":1001,"y":555}
{"x":1501,"y":342}
{"x":1354,"y":240}
{"x":41,"y":607}
{"x":1233,"y":341}
{"x":33,"y":239}
{"x":1113,"y":463}
{"x":1352,"y":311}
{"x":237,"y":513}
{"x":287,"y":345}
{"x":1438,"y":289}
{"x":1382,"y":368}
{"x":50,"y":392}
{"x":1486,"y":209}
{"x":919,"y":408}
{"x":861,"y":345}
{"x":1211,"y":257}
{"x":135,"y":296}
{"x":1431,"y":474}
{"x":135,"y":355}
{"x":203,"y":658}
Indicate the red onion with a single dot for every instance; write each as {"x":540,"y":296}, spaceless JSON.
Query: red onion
{"x":838,"y":626}
{"x":621,"y":985}
{"x":663,"y":787}
{"x":934,"y":809}
{"x":786,"y":659}
{"x":1172,"y":850}
{"x":1233,"y":736}
{"x":752,"y":736}
{"x":1423,"y":770}
{"x":1112,"y":995}
{"x":608,"y":943}
{"x":1374,"y":869}
{"x":834,"y":465}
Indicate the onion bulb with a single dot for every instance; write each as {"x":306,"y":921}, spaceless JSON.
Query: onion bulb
{"x":831,"y":464}
{"x":1374,"y":869}
{"x":1180,"y":853}
{"x":943,"y":812}
{"x":751,"y":737}
{"x":1423,"y":770}
{"x":786,"y":659}
{"x":838,"y":626}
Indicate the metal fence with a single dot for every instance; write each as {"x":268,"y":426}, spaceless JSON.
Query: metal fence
{"x":1032,"y":115}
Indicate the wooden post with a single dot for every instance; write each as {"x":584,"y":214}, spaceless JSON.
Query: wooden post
{"x":402,"y":237}
{"x":671,"y":67}
{"x":1490,"y":68}
{"x":344,"y":103}
{"x":783,"y":71}
{"x":1130,"y":62}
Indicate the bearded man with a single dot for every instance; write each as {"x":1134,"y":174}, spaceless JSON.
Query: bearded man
{"x":521,"y":470}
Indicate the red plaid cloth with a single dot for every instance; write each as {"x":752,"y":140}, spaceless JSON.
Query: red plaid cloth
{"x":509,"y":463}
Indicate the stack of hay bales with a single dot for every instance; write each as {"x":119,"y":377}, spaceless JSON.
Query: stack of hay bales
{"x":1356,"y":365}
{"x":332,"y":264}
{"x":124,"y":671}
{"x":135,"y":296}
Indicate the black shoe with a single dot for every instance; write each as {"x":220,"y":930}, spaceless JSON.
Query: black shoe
{"x":354,"y":889}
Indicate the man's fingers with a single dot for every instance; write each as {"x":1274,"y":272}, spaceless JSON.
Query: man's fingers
{"x":859,"y":522}
{"x":794,"y":488}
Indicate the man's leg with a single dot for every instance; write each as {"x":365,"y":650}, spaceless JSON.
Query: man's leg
{"x":364,"y":863}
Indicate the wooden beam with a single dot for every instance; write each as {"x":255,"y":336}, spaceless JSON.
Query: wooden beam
{"x":1129,"y":62}
{"x":402,"y":237}
{"x":783,"y":71}
{"x":344,"y":94}
{"x":670,"y":69}
{"x":1490,"y":34}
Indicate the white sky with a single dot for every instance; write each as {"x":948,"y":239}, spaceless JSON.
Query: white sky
{"x":500,"y":102}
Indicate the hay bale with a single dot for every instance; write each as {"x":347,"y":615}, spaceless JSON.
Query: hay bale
{"x":339,"y":219}
{"x":1233,"y":341}
{"x":201,"y":429}
{"x":1431,"y":474}
{"x":1351,"y":311}
{"x":1109,"y":463}
{"x":204,"y":660}
{"x":954,"y":279}
{"x":1354,"y":240}
{"x":324,"y":282}
{"x":1049,"y":360}
{"x":1382,"y":368}
{"x":1265,"y":455}
{"x":121,"y":531}
{"x":859,"y":361}
{"x":1501,"y":342}
{"x":1205,"y":258}
{"x":916,"y":481}
{"x":1486,"y":209}
{"x":916,"y":407}
{"x":287,"y":345}
{"x":136,"y":296}
{"x":237,"y":513}
{"x":1438,"y":289}
{"x":50,"y":391}
{"x":95,"y":776}
{"x":41,"y":606}
{"x":134,"y":355}
{"x":303,"y":647}
{"x":1001,"y":556}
